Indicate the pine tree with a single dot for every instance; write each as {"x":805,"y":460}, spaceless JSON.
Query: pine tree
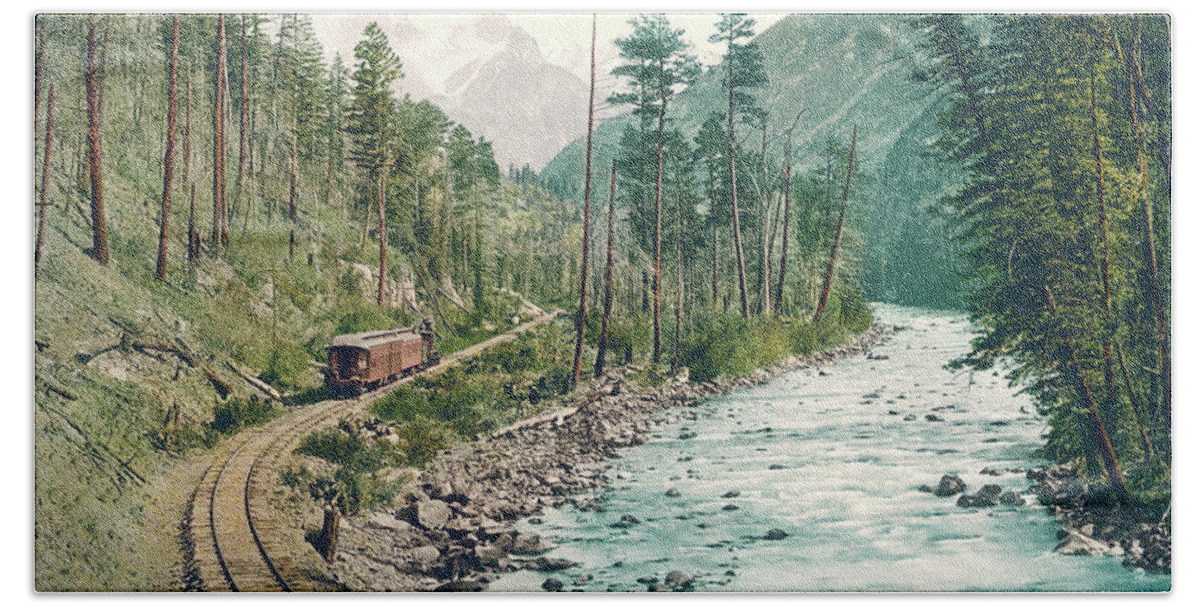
{"x":743,"y":69}
{"x":371,"y":123}
{"x":160,"y":271}
{"x":92,"y":83}
{"x":657,"y":66}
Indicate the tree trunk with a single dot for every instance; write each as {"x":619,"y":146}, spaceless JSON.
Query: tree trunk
{"x":160,"y":271}
{"x":245,"y":116}
{"x":662,"y":123}
{"x":37,"y":85}
{"x":837,"y":237}
{"x":219,"y":138}
{"x":587,"y":214}
{"x":48,"y":147}
{"x":787,"y":220}
{"x":381,"y":188}
{"x":293,"y":214}
{"x":187,"y":134}
{"x":737,"y":228}
{"x":99,"y":230}
{"x":1107,"y":455}
{"x":716,"y":247}
{"x":193,"y":231}
{"x":602,"y":346}
{"x":1153,"y":289}
{"x":250,"y":172}
{"x":678,"y":359}
{"x":1110,"y":384}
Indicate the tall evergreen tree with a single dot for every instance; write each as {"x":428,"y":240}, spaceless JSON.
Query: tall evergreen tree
{"x":657,"y":65}
{"x":371,"y":122}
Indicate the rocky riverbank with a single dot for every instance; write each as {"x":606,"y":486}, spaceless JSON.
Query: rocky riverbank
{"x":456,"y":528}
{"x":1093,"y":522}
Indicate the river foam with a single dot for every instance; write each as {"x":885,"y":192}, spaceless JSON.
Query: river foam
{"x":833,"y":456}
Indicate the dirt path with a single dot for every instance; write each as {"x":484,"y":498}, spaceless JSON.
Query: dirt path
{"x":232,"y":538}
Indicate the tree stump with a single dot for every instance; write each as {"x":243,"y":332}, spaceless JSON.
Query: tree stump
{"x":329,"y":533}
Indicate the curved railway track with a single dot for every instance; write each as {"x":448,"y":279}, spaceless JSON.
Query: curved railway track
{"x":236,"y":542}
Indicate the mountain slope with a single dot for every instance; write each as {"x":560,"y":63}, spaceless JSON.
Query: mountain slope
{"x":841,"y":70}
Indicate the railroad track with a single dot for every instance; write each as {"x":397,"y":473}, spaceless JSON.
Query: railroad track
{"x":236,"y":542}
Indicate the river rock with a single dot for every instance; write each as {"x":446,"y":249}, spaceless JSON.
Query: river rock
{"x":552,"y":584}
{"x":1077,"y":544}
{"x":428,"y":514}
{"x":949,"y":485}
{"x":776,"y":534}
{"x":529,"y":543}
{"x":1011,"y":498}
{"x":627,"y":521}
{"x":387,"y":522}
{"x":425,"y":554}
{"x":553,"y":564}
{"x":678,"y":580}
{"x":582,"y":579}
{"x":731,"y":494}
{"x":489,"y":555}
{"x":672,"y":492}
{"x":469,"y":586}
{"x":647,"y":580}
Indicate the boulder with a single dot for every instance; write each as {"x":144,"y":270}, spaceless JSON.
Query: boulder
{"x":1011,"y":498}
{"x":552,"y":584}
{"x":678,"y":580}
{"x":672,"y":492}
{"x":627,"y":521}
{"x":429,"y":514}
{"x":425,"y":554}
{"x":469,"y":586}
{"x":1075,"y":543}
{"x":553,"y":564}
{"x":949,"y":485}
{"x":776,"y":534}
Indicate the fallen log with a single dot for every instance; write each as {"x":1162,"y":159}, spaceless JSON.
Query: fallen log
{"x":256,"y":382}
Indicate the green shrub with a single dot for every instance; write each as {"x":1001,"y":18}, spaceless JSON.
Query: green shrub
{"x":236,"y":414}
{"x":422,"y":439}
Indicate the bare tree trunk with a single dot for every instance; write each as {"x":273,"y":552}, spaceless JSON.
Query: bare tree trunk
{"x":678,"y":358}
{"x":293,"y":212}
{"x":787,"y":220}
{"x":1097,"y":424}
{"x":250,"y":198}
{"x":587,"y":214}
{"x":602,"y":346}
{"x":379,"y":195}
{"x":657,"y":286}
{"x":49,"y":146}
{"x":245,"y":117}
{"x":737,"y":227}
{"x":716,"y":259}
{"x":219,"y":139}
{"x":160,"y":271}
{"x":837,"y":237}
{"x":187,"y":133}
{"x":37,"y":85}
{"x":193,"y":239}
{"x":99,"y":230}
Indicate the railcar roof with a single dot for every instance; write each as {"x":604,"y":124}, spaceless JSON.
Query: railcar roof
{"x":371,"y":339}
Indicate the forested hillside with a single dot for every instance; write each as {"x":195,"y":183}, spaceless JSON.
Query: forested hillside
{"x":825,"y":74}
{"x":155,"y":338}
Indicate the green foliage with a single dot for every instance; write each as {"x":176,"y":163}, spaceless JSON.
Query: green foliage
{"x":488,"y":390}
{"x":235,"y":414}
{"x":1063,"y":196}
{"x":422,"y":439}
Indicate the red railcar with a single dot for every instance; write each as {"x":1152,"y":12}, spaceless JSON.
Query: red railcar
{"x":368,"y":360}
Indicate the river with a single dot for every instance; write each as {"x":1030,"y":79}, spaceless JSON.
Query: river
{"x":833,"y":457}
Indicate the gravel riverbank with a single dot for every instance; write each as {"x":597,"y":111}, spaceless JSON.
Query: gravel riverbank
{"x":456,"y":528}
